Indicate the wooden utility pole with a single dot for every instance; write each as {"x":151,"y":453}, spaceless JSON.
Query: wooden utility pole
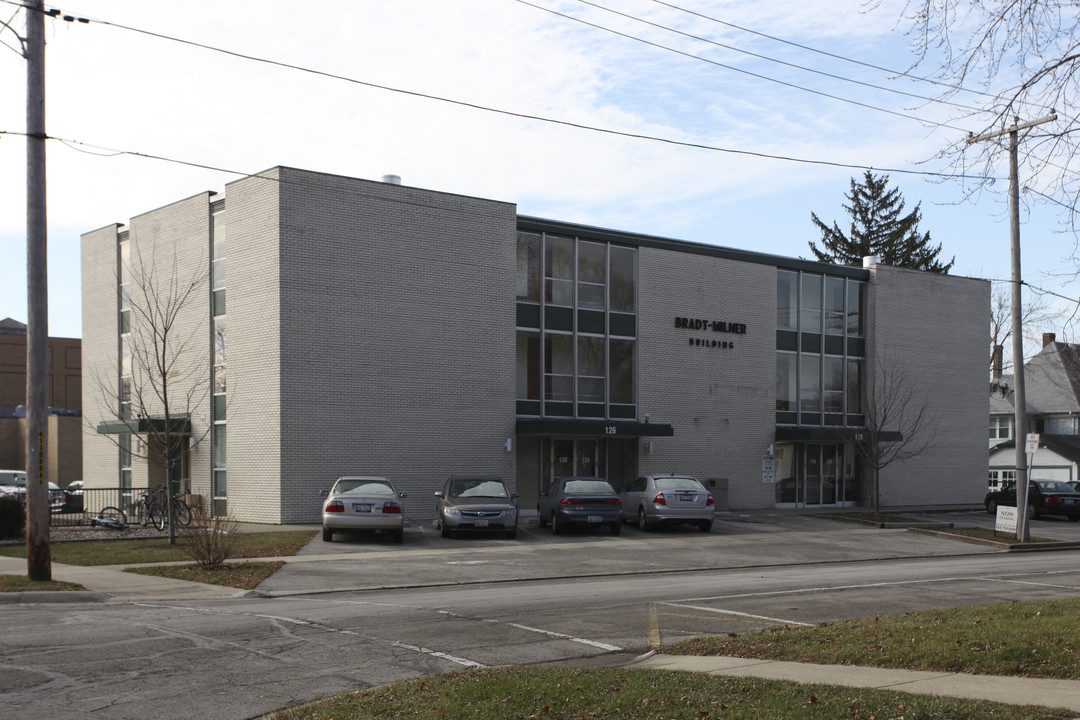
{"x":1019,"y":393}
{"x":38,"y":556}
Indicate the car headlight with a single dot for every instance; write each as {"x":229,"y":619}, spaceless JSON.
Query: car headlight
{"x":453,"y":511}
{"x":509,"y":513}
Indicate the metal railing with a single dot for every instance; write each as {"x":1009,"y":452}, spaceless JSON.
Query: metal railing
{"x":70,"y":509}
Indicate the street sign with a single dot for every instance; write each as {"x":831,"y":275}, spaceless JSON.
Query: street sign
{"x":1032,"y":443}
{"x":768,"y":469}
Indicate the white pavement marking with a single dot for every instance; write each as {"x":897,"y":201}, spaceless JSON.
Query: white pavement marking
{"x":326,"y":628}
{"x":740,"y":614}
{"x":550,"y":633}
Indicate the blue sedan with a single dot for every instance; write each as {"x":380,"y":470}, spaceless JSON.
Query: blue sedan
{"x":584,"y":501}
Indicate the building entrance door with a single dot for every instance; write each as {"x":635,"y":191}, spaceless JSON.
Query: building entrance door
{"x":822,"y":474}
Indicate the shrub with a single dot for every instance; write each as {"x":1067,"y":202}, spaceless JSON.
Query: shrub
{"x":12,"y":517}
{"x":207,"y":540}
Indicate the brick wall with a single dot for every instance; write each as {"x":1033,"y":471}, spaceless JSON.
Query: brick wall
{"x":100,"y":355}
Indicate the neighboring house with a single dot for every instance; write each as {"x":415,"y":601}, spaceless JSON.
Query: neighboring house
{"x":1052,"y":390}
{"x":380,"y":329}
{"x":64,"y":400}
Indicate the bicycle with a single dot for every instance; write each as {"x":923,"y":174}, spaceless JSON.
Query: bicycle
{"x":180,"y":508}
{"x":148,"y":511}
{"x":110,"y":518}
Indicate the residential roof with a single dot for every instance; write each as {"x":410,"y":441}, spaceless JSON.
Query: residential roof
{"x":12,"y":326}
{"x":1067,"y":446}
{"x":1052,"y":382}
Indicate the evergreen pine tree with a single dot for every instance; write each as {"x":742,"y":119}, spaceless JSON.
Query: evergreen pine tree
{"x":878,"y":228}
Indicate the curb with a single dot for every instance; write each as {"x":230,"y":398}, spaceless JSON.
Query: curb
{"x":41,"y":597}
{"x":1004,"y":545}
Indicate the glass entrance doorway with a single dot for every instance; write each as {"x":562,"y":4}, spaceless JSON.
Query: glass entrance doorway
{"x":541,"y":460}
{"x":816,"y":475}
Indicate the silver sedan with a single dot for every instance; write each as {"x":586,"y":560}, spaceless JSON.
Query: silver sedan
{"x":668,"y":499}
{"x":363,"y":504}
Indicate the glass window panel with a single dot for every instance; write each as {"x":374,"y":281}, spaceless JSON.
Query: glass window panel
{"x":623,"y":274}
{"x":219,"y":274}
{"x":219,"y":340}
{"x":834,"y":385}
{"x":621,"y":376}
{"x":219,"y":407}
{"x":125,"y":479}
{"x":528,"y":267}
{"x":591,"y":356}
{"x":125,"y":389}
{"x":125,"y":355}
{"x":591,"y":296}
{"x":219,"y":380}
{"x":559,"y":368}
{"x":125,"y":298}
{"x":218,"y":449}
{"x":219,"y":235}
{"x":856,"y":295}
{"x":810,"y":383}
{"x":125,"y":263}
{"x":559,"y":388}
{"x":125,"y":450}
{"x":811,"y":303}
{"x":590,"y":390}
{"x":834,"y":305}
{"x":786,"y":382}
{"x":559,"y":270}
{"x":787,"y":300}
{"x":854,"y":386}
{"x":592,"y":263}
{"x":528,"y":366}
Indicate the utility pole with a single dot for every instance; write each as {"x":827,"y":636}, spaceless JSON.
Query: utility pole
{"x":1019,"y":394}
{"x":38,"y":556}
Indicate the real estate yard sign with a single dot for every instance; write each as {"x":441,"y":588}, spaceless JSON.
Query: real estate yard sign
{"x":1006,"y":520}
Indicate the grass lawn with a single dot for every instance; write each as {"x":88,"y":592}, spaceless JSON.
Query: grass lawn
{"x":553,"y":693}
{"x":1033,"y":639}
{"x":21,"y":583}
{"x":158,"y":550}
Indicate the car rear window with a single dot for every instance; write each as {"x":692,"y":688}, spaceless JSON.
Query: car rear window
{"x":1051,"y":486}
{"x":366,"y":487}
{"x":678,"y":483}
{"x":588,"y":486}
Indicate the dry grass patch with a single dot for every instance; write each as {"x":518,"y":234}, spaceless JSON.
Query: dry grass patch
{"x":245,"y":576}
{"x":21,"y":583}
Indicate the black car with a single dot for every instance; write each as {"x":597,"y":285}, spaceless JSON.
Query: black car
{"x":1045,"y":497}
{"x":588,"y":501}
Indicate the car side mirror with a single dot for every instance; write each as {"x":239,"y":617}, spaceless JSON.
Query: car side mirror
{"x":438,"y":493}
{"x":515,"y":496}
{"x":324,"y":493}
{"x":403,"y":494}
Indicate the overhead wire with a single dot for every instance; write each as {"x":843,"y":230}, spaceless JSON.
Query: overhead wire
{"x":928,"y":123}
{"x":778,"y":61}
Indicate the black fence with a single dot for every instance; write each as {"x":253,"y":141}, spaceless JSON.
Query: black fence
{"x":70,"y":509}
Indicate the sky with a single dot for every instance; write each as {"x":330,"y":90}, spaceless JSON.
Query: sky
{"x":121,"y":92}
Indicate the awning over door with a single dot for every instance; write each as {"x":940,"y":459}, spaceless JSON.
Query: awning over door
{"x":598,"y":428}
{"x":833,"y":435}
{"x":142,"y":426}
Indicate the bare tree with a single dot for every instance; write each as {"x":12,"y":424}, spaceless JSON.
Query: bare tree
{"x":1036,"y":316}
{"x":164,"y":372}
{"x":900,"y":424}
{"x":999,"y":60}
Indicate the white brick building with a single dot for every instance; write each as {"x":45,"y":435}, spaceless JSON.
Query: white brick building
{"x":379,"y":329}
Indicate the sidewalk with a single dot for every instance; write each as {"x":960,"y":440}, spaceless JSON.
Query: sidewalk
{"x":1010,"y":690}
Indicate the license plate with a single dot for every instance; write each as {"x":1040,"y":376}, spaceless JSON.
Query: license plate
{"x":1070,"y":501}
{"x":595,"y":519}
{"x":686,"y":498}
{"x":361,"y":507}
{"x":481,"y":522}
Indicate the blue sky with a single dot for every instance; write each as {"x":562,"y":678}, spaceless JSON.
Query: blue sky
{"x":120,"y":90}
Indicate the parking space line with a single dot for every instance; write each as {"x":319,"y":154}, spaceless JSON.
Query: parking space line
{"x":740,"y":614}
{"x":549,"y":633}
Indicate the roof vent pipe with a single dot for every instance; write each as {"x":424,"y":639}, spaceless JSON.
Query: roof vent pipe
{"x":996,"y":361}
{"x":391,"y":179}
{"x":869,"y":260}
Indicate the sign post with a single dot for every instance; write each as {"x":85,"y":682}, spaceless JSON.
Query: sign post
{"x":1022,"y":485}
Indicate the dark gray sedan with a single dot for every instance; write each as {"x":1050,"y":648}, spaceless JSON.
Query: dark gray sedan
{"x":476,"y":503}
{"x":588,"y":501}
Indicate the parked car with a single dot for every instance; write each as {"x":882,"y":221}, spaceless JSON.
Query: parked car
{"x":653,"y":500}
{"x":13,"y":484}
{"x":1045,"y":497}
{"x":68,"y":500}
{"x":589,"y":501}
{"x":363,"y":504}
{"x":479,"y":503}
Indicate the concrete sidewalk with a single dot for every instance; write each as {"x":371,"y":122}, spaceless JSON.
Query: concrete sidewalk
{"x":1009,"y":690}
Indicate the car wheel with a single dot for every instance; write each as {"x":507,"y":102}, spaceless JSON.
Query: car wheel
{"x":1033,"y":512}
{"x":616,"y":527}
{"x":327,"y":535}
{"x":399,"y":536}
{"x":446,"y":532}
{"x":540,"y":520}
{"x":511,"y":534}
{"x":556,"y":526}
{"x":991,"y":507}
{"x":642,"y":523}
{"x":705,"y":526}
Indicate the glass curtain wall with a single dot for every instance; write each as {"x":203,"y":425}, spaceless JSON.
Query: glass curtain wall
{"x":218,"y":430}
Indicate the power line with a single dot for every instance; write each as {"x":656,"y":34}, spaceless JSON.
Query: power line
{"x":785,"y":63}
{"x":867,"y":106}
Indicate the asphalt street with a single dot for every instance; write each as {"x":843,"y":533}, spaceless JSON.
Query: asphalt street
{"x":348,"y":615}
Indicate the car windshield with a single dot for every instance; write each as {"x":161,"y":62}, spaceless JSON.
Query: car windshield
{"x":587,"y":486}
{"x":1052,"y":486}
{"x":477,"y":488}
{"x":678,"y":483}
{"x":364,"y":487}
